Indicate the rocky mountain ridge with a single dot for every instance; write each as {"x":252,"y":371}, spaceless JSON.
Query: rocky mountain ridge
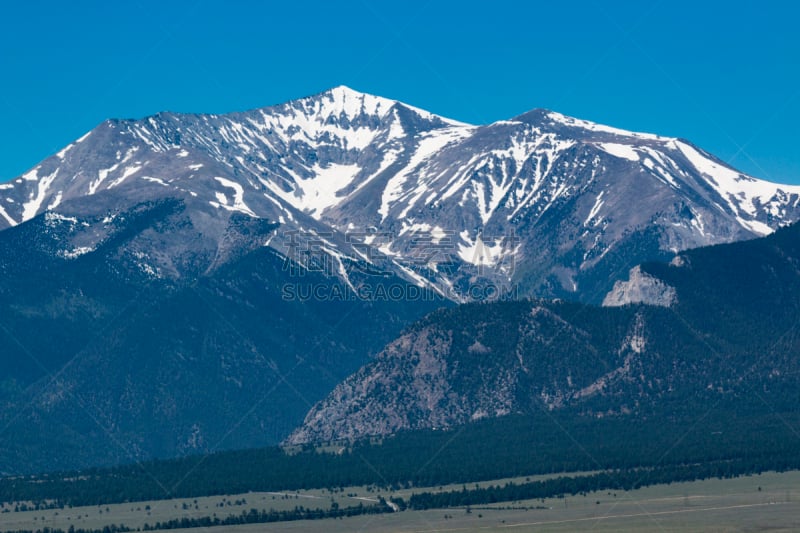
{"x":543,"y":204}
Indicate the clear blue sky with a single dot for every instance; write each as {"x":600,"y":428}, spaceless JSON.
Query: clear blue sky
{"x":723,"y":74}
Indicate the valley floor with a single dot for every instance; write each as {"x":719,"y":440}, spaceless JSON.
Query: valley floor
{"x":767,"y":501}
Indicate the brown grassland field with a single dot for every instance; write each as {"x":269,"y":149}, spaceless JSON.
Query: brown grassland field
{"x":765,"y":502}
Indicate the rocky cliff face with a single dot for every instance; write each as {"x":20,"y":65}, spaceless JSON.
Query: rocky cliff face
{"x":472,"y":363}
{"x":640,"y":288}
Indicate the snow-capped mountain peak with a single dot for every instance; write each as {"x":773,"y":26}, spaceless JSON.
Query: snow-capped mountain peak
{"x":542,"y":201}
{"x":343,"y":100}
{"x":588,"y":126}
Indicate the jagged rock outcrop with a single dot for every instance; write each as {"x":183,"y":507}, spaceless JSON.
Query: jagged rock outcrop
{"x":640,"y":288}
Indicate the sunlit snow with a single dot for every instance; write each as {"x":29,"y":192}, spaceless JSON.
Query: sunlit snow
{"x":624,"y":151}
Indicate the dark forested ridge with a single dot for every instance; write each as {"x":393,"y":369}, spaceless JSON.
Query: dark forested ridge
{"x":732,"y":440}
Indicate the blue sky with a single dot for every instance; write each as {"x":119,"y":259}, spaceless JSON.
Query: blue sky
{"x":723,"y":75}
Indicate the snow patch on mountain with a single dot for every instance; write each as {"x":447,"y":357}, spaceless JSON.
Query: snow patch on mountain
{"x":743,"y":194}
{"x":592,"y":126}
{"x":128,"y":172}
{"x":598,"y":203}
{"x":624,"y":151}
{"x":321,"y":192}
{"x":31,"y":207}
{"x":479,"y":253}
{"x":429,"y":145}
{"x":103,"y":174}
{"x":238,"y":197}
{"x":151,"y":179}
{"x":75,"y":252}
{"x":11,"y":221}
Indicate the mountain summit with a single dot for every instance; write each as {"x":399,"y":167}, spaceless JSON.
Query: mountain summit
{"x":547,"y":204}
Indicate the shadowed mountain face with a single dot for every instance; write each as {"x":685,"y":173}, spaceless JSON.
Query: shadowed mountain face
{"x":105,"y":362}
{"x":546,"y":204}
{"x":727,"y":336}
{"x":184,"y":283}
